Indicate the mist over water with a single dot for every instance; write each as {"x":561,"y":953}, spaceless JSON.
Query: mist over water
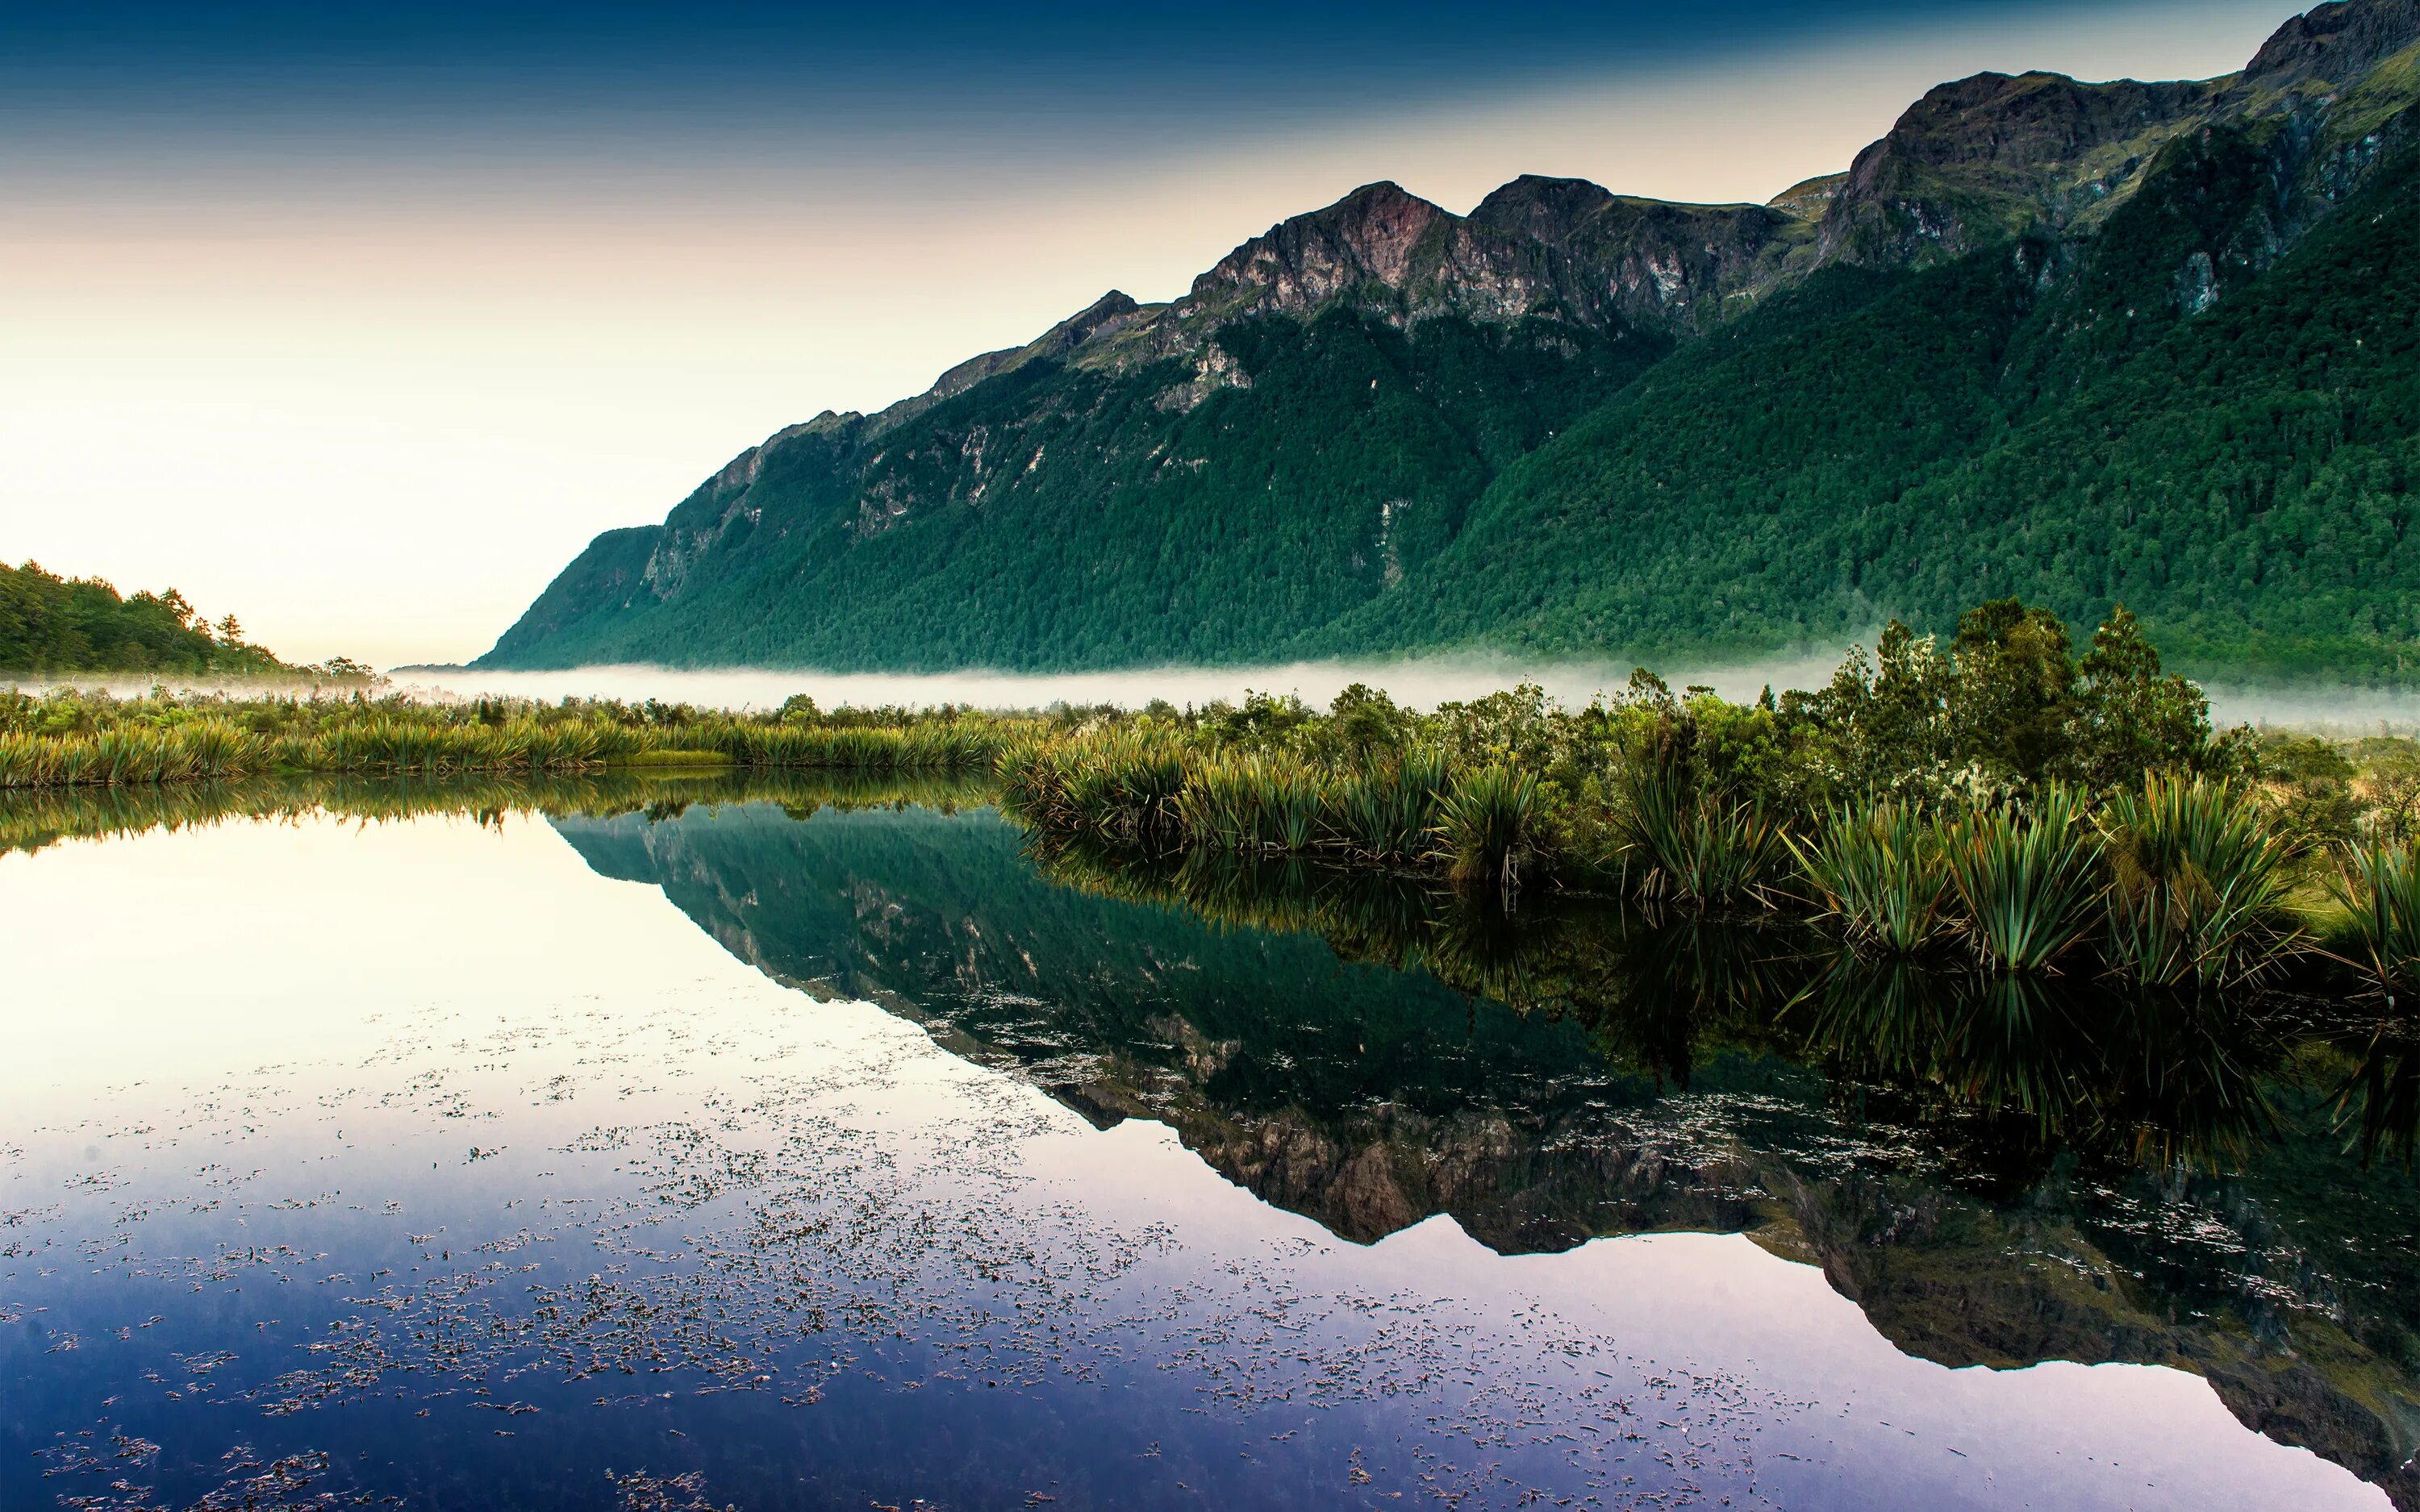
{"x":1420,"y":683}
{"x":1416,"y":683}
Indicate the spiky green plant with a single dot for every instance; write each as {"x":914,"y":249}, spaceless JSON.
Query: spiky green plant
{"x":1487,"y":823}
{"x":2379,"y":888}
{"x":2199,"y":883}
{"x":1388,"y":811}
{"x":1879,"y":871}
{"x":2026,"y":879}
{"x":1692,"y":847}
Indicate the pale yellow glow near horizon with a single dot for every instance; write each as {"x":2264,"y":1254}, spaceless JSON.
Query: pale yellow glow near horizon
{"x":375,"y":420}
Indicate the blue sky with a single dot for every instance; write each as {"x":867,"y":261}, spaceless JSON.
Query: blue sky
{"x":359,"y":320}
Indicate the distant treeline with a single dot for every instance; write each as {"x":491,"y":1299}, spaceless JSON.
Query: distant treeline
{"x":49,"y":623}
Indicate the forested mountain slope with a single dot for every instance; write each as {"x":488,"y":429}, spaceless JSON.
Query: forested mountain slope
{"x":2075,"y":342}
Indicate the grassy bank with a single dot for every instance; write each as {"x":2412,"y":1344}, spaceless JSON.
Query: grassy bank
{"x":70,"y":740}
{"x":1997,"y":801}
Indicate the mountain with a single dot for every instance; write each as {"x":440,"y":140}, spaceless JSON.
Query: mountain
{"x":2080,"y":342}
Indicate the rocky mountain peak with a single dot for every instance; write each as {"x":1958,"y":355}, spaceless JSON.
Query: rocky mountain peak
{"x":1987,"y":155}
{"x":1546,"y":208}
{"x":2334,"y":42}
{"x":1372,"y":235}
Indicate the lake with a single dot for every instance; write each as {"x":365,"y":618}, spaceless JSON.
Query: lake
{"x":700,"y":1143}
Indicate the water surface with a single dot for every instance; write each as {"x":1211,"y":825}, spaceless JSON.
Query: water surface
{"x":705,"y":1145}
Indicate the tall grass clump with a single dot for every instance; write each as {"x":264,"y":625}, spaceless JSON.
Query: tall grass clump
{"x":1389,"y":810}
{"x":131,"y":756}
{"x":1880,"y":871}
{"x":1487,"y":823}
{"x":2199,"y":883}
{"x":939,"y":746}
{"x":2379,"y":888}
{"x":1692,"y":847}
{"x":2025,"y":879}
{"x":1253,"y":803}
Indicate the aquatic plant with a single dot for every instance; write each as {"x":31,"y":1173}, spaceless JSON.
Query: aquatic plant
{"x":1880,"y":873}
{"x":2199,"y":883}
{"x":2025,"y":879}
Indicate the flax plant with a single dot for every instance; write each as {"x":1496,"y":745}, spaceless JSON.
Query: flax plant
{"x":1880,"y":872}
{"x":2025,"y":880}
{"x":2198,"y":884}
{"x":1692,"y":848}
{"x":2379,"y":888}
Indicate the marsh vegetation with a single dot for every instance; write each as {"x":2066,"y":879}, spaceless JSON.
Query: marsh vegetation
{"x":1997,"y":803}
{"x":72,"y":739}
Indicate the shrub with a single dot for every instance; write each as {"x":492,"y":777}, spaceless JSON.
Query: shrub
{"x":2198,"y":884}
{"x":1880,"y":872}
{"x":2025,"y":881}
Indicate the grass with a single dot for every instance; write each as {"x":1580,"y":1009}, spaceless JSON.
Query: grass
{"x":150,"y":741}
{"x":2184,"y":882}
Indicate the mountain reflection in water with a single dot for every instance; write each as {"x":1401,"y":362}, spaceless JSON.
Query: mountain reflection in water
{"x":1999,"y":1172}
{"x":364,"y":1140}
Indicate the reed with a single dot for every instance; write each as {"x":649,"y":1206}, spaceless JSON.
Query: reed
{"x":1881,"y":874}
{"x":2025,"y":880}
{"x":2198,"y":885}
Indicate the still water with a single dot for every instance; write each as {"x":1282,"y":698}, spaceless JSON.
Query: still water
{"x":702,"y":1147}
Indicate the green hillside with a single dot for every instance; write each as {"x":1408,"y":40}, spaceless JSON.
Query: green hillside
{"x":1083,"y":521}
{"x":2078,"y":343}
{"x":2241,"y":478}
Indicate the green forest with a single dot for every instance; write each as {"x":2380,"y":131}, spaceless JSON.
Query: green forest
{"x":49,"y":623}
{"x":1907,"y":444}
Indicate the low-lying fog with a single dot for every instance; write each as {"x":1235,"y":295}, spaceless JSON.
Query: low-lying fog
{"x":1417,"y":682}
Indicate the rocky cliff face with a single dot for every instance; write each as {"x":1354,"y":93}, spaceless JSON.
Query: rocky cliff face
{"x":2334,"y":43}
{"x":1990,"y":156}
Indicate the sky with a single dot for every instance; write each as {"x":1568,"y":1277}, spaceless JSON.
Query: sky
{"x":358,"y":323}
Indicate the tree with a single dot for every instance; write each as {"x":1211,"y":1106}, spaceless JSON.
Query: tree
{"x":2016,"y":688}
{"x":2126,"y":719}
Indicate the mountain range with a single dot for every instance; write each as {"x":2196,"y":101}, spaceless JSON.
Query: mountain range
{"x":2082,"y":342}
